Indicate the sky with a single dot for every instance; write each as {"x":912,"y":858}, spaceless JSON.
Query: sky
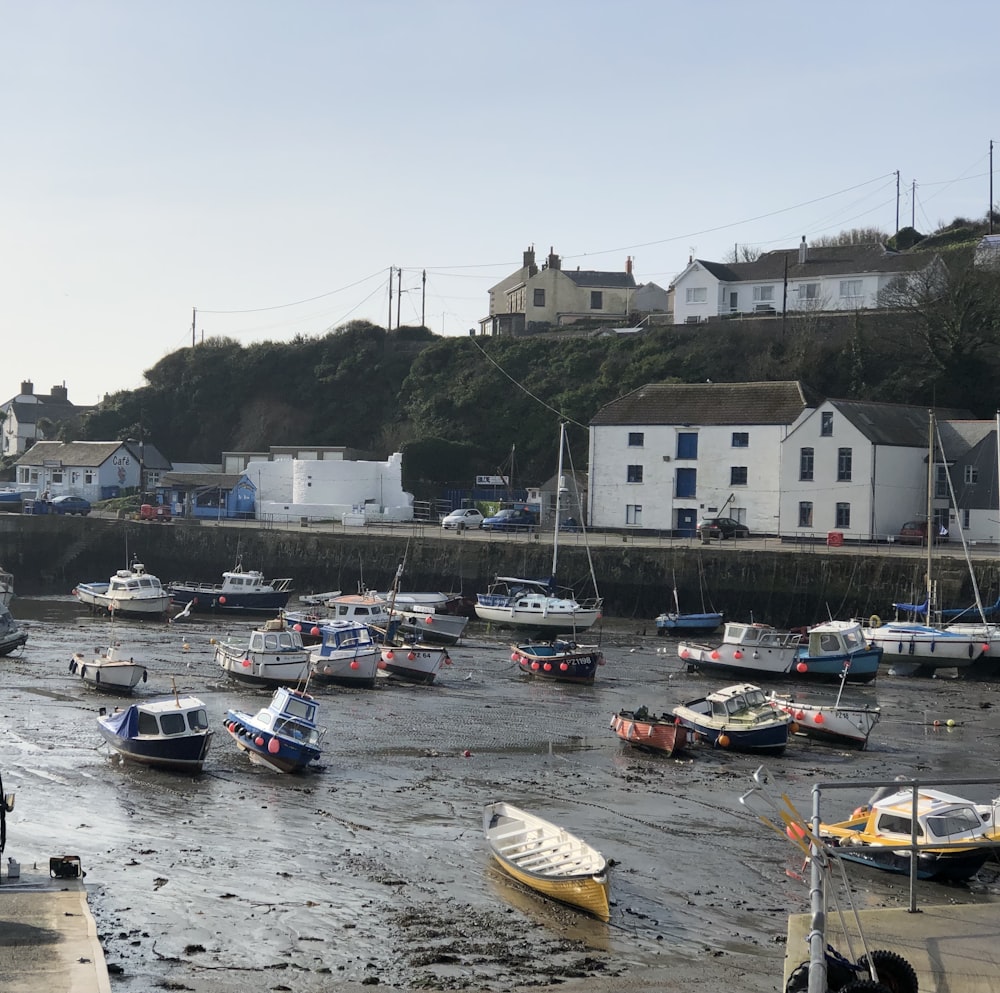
{"x":256,"y":168}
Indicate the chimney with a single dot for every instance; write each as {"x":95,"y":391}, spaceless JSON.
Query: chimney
{"x":27,"y":386}
{"x":554,"y":262}
{"x":60,"y":394}
{"x":803,"y":251}
{"x":529,"y":257}
{"x":628,"y":266}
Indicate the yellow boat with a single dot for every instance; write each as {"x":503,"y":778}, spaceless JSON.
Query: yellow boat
{"x":547,"y":858}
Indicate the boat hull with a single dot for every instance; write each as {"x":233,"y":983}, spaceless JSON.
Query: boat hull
{"x":925,"y":648}
{"x":543,"y":857}
{"x":212,"y":600}
{"x":560,"y":662}
{"x":848,"y":727}
{"x":12,"y":642}
{"x":679,"y":624}
{"x":359,"y":671}
{"x":263,"y":669}
{"x":446,"y":629}
{"x":952,"y":867}
{"x":184,"y":753}
{"x":413,"y":663}
{"x":108,"y":675}
{"x":767,"y":663}
{"x":653,"y":734}
{"x":96,"y":597}
{"x":511,"y":616}
{"x":291,"y":757}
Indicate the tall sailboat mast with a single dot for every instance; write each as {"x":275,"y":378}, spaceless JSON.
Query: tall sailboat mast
{"x":559,"y":486}
{"x":931,"y":528}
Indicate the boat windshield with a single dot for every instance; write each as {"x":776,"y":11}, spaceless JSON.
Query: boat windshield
{"x":198,"y":719}
{"x":172,"y":723}
{"x":894,"y":824}
{"x":956,"y":822}
{"x":300,"y":708}
{"x":755,"y":698}
{"x":735,"y":704}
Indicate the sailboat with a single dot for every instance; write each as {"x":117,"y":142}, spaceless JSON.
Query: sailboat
{"x":675,"y":622}
{"x":912,"y":647}
{"x":539,"y":604}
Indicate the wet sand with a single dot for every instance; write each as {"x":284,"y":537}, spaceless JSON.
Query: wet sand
{"x":372,"y":870}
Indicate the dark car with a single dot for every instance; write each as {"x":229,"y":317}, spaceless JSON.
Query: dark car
{"x":69,"y":505}
{"x":915,"y":533}
{"x":511,"y":519}
{"x":721,"y":527}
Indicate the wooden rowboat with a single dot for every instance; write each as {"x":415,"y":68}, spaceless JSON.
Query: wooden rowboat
{"x":648,"y":731}
{"x":547,"y":858}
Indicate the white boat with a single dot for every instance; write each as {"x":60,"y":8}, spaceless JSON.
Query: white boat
{"x":272,"y":656}
{"x":108,"y":670}
{"x":537,"y":604}
{"x":413,"y":663}
{"x":347,"y":654}
{"x":365,"y":607}
{"x":6,"y":587}
{"x":547,"y":858}
{"x":428,"y":623}
{"x":131,"y":592}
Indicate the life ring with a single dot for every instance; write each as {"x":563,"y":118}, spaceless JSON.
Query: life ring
{"x":874,"y":621}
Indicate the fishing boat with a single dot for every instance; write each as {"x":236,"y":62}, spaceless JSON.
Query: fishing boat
{"x":240,"y":592}
{"x":130,"y":592}
{"x":6,"y":587}
{"x":428,"y":624}
{"x":761,"y":651}
{"x":272,"y":656}
{"x":12,"y":635}
{"x":881,"y":834}
{"x":838,"y":723}
{"x":676,"y":622}
{"x":347,"y":655}
{"x":284,"y":735}
{"x":107,"y":669}
{"x":739,"y":718}
{"x":413,"y":663}
{"x":559,"y":660}
{"x":537,"y":604}
{"x":170,"y":733}
{"x":547,"y":858}
{"x":915,"y":644}
{"x":649,"y":732}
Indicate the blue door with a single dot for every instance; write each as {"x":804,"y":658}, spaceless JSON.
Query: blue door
{"x":686,"y":523}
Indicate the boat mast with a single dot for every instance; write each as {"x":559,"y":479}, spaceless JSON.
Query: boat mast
{"x":559,"y":486}
{"x":931,"y":529}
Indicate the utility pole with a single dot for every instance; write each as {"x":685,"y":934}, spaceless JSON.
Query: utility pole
{"x":389,"y":326}
{"x":913,"y":206}
{"x":897,"y":201}
{"x":990,"y":211}
{"x":399,"y":292}
{"x":423,"y":297}
{"x":194,"y":314}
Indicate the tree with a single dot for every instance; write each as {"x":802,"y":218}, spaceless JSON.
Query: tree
{"x":854,"y":236}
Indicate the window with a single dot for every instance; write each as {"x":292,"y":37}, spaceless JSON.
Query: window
{"x":844,"y":460}
{"x":633,"y":514}
{"x":826,"y":424}
{"x":741,"y":439}
{"x":636,"y":439}
{"x":634,"y":474}
{"x":596,"y":300}
{"x":805,"y":514}
{"x":687,"y":483}
{"x":971,"y":474}
{"x":763,"y":294}
{"x":850,"y":289}
{"x":738,"y":475}
{"x":696,"y":294}
{"x":940,"y":481}
{"x":843,"y":515}
{"x":807,"y":459}
{"x":538,"y":298}
{"x":808,"y":291}
{"x":88,"y":478}
{"x":57,"y":476}
{"x":687,"y":445}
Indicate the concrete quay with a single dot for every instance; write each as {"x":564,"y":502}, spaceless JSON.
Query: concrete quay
{"x":953,"y":948}
{"x":48,"y":938}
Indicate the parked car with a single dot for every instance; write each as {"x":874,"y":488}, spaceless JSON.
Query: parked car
{"x":511,"y":519}
{"x":69,"y":505}
{"x":722,"y":527}
{"x":465,"y":517}
{"x":915,"y":533}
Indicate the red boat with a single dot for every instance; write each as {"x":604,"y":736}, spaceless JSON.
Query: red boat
{"x":644,"y":730}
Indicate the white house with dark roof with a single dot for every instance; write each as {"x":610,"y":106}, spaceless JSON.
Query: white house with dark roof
{"x":667,"y":454}
{"x":551,"y":296}
{"x":841,"y":277}
{"x":22,"y":417}
{"x":96,"y":470}
{"x":860,"y":469}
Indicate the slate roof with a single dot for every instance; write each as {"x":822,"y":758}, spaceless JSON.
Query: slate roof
{"x":199,"y":480}
{"x":78,"y":453}
{"x":895,"y":424}
{"x":708,"y":403}
{"x":839,"y":260}
{"x":609,"y":280}
{"x":54,"y":410}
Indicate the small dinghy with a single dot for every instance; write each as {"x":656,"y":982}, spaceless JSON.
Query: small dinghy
{"x":649,"y":732}
{"x":547,"y":858}
{"x":108,"y":670}
{"x":284,"y":736}
{"x":171,"y":733}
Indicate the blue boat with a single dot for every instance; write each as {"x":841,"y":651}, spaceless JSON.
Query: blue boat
{"x":12,"y":636}
{"x":560,"y":661}
{"x":738,"y":718}
{"x":675,"y":622}
{"x":284,"y":736}
{"x":239,"y":593}
{"x":171,"y":733}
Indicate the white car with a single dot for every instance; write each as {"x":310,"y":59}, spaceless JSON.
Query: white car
{"x":467,"y":517}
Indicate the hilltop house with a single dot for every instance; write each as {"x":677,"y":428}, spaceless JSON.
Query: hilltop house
{"x":23,"y":417}
{"x":531,"y":298}
{"x":841,"y":277}
{"x":96,"y":470}
{"x":666,"y":454}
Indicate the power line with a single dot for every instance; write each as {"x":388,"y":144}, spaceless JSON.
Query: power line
{"x":296,"y":303}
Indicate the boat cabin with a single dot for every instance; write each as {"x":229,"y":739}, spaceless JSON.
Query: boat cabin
{"x":345,"y":635}
{"x":292,"y":713}
{"x":736,"y":700}
{"x":270,"y":640}
{"x":941,"y":818}
{"x":829,"y":640}
{"x":132,"y":581}
{"x":165,"y":720}
{"x":759,"y":636}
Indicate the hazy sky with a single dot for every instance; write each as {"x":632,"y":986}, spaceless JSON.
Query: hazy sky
{"x":276,"y":158}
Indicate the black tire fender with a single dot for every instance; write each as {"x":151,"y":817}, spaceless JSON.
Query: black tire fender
{"x":894,"y":972}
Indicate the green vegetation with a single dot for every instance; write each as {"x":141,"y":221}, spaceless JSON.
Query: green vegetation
{"x":456,"y":406}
